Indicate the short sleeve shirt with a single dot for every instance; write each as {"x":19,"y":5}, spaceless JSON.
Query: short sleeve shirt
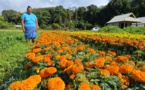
{"x":29,"y":19}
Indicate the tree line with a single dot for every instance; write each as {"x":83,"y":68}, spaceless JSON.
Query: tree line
{"x":79,"y":18}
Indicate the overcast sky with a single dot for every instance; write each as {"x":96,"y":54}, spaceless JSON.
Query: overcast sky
{"x":21,"y":5}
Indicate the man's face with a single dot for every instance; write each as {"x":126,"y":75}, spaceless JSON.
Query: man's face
{"x":29,"y":10}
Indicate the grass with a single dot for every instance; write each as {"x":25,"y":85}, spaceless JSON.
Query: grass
{"x":12,"y":49}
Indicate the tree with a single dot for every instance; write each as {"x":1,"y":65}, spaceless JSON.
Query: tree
{"x":12,"y":16}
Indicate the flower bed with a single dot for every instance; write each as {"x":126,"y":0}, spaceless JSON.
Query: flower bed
{"x":64,"y":61}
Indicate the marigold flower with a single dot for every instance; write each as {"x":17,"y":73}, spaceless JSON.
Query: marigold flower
{"x":30,"y":83}
{"x":125,"y":69}
{"x":96,"y":87}
{"x":99,"y":62}
{"x":69,"y":87}
{"x":77,"y":68}
{"x":15,"y":85}
{"x":37,"y":59}
{"x":121,"y":59}
{"x":84,"y":86}
{"x":124,"y":81}
{"x":72,"y":76}
{"x":63,"y":63}
{"x":46,"y":72}
{"x":108,"y":58}
{"x":138,"y":75}
{"x":104,"y":72}
{"x":36,"y":50}
{"x":56,"y":84}
{"x":112,"y":69}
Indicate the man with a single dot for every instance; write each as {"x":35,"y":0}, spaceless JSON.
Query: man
{"x":29,"y":25}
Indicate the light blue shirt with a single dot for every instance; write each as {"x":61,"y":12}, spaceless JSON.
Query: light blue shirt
{"x":29,"y":19}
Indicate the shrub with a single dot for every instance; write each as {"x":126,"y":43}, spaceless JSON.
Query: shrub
{"x":55,"y":26}
{"x":135,"y":30}
{"x":111,"y":29}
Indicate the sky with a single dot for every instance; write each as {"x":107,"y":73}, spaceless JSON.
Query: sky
{"x":21,"y":5}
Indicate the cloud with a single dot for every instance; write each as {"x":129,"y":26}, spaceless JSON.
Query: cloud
{"x":21,"y":5}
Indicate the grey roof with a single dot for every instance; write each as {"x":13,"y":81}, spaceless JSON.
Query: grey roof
{"x":142,"y":19}
{"x":124,"y":17}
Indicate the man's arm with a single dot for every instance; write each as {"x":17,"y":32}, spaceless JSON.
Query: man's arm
{"x":22,"y":23}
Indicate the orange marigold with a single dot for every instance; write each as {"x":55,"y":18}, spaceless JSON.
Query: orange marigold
{"x":138,"y":75}
{"x":112,"y":69}
{"x":15,"y":85}
{"x":36,"y":50}
{"x":77,"y":68}
{"x":125,"y":69}
{"x":99,"y":62}
{"x":63,"y":63}
{"x":124,"y":81}
{"x":84,"y":86}
{"x":37,"y":59}
{"x":56,"y":84}
{"x":121,"y":59}
{"x":108,"y":58}
{"x":46,"y":72}
{"x":72,"y":76}
{"x":69,"y":87}
{"x":104,"y":72}
{"x":30,"y":83}
{"x":96,"y":87}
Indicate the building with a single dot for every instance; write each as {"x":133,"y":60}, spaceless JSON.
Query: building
{"x":124,"y":20}
{"x":141,"y":24}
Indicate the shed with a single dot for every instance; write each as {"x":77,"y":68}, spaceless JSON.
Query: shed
{"x":123,"y":20}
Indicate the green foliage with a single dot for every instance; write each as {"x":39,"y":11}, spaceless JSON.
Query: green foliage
{"x":4,"y":24}
{"x":55,"y":26}
{"x":135,"y":30}
{"x":111,"y":29}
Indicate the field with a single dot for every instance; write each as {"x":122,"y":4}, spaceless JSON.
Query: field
{"x":68,"y":60}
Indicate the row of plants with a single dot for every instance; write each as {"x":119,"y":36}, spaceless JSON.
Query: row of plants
{"x":61,"y":61}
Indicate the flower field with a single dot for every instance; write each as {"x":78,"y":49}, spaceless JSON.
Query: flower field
{"x":84,"y":61}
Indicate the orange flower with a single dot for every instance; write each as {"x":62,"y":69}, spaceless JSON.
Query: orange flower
{"x":124,"y":81}
{"x":48,"y":61}
{"x":112,"y":69}
{"x":99,"y":62}
{"x":30,"y":55}
{"x":125,"y":69}
{"x":121,"y":59}
{"x":143,"y":69}
{"x":96,"y":87}
{"x":56,"y":84}
{"x":30,"y":83}
{"x":78,"y":61}
{"x":36,"y":50}
{"x":101,"y":53}
{"x":77,"y":68}
{"x":104,"y":72}
{"x":15,"y":85}
{"x":138,"y":75}
{"x":108,"y":58}
{"x":69,"y":87}
{"x":37,"y":59}
{"x":68,"y":70}
{"x":63,"y":63}
{"x":72,"y":76}
{"x":112,"y":53}
{"x":69,"y":63}
{"x":84,"y":86}
{"x":46,"y":72}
